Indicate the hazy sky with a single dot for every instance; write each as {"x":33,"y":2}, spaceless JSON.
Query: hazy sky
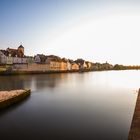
{"x":96,"y":30}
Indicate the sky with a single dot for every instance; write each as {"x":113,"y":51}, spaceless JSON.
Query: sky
{"x":98,"y":31}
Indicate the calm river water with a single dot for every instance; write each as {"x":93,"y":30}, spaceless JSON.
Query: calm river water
{"x":75,"y":106}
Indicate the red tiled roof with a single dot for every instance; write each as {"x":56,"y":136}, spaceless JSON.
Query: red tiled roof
{"x":12,"y":52}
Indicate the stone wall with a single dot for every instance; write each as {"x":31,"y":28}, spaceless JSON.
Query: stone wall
{"x":31,"y":67}
{"x":44,"y":67}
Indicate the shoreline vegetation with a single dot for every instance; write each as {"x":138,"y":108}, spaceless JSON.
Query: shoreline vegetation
{"x":8,"y":98}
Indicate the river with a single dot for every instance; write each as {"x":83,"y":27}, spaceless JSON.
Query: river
{"x":75,"y":106}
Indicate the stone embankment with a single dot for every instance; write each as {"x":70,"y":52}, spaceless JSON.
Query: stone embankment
{"x":134,"y":133}
{"x":8,"y":98}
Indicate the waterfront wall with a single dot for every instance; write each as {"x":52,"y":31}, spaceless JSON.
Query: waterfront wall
{"x":41,"y":67}
{"x":31,"y":67}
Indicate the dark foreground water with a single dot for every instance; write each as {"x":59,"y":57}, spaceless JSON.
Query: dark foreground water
{"x":75,"y":106}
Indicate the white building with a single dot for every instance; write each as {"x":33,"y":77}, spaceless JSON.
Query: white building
{"x":3,"y":58}
{"x":37,"y":59}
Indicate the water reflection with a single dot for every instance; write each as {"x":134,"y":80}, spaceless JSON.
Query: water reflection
{"x":36,"y":82}
{"x":11,"y":82}
{"x":50,"y":81}
{"x":14,"y":106}
{"x":95,"y":105}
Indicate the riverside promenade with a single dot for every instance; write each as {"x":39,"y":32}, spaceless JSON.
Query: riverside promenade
{"x":134,"y":133}
{"x":8,"y":98}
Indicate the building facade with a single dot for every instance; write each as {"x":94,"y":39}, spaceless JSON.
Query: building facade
{"x":13,"y":56}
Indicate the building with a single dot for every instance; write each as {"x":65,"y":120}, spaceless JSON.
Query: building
{"x":89,"y":65}
{"x":3,"y":57}
{"x":68,"y":65}
{"x":64,"y":64}
{"x":74,"y":66}
{"x":54,"y":62}
{"x":30,"y":59}
{"x":19,"y":52}
{"x":13,"y":56}
{"x":40,"y":58}
{"x":82,"y":64}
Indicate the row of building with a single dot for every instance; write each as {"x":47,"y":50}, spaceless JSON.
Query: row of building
{"x":40,"y":62}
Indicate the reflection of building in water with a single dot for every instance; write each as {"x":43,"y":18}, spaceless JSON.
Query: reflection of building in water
{"x":51,"y":80}
{"x":31,"y":81}
{"x":11,"y":83}
{"x":15,"y":82}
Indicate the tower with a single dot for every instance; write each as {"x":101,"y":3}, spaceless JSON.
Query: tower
{"x":20,"y":51}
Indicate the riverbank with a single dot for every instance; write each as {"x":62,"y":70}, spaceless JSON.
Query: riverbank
{"x":8,"y":98}
{"x":134,"y":133}
{"x":21,"y":72}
